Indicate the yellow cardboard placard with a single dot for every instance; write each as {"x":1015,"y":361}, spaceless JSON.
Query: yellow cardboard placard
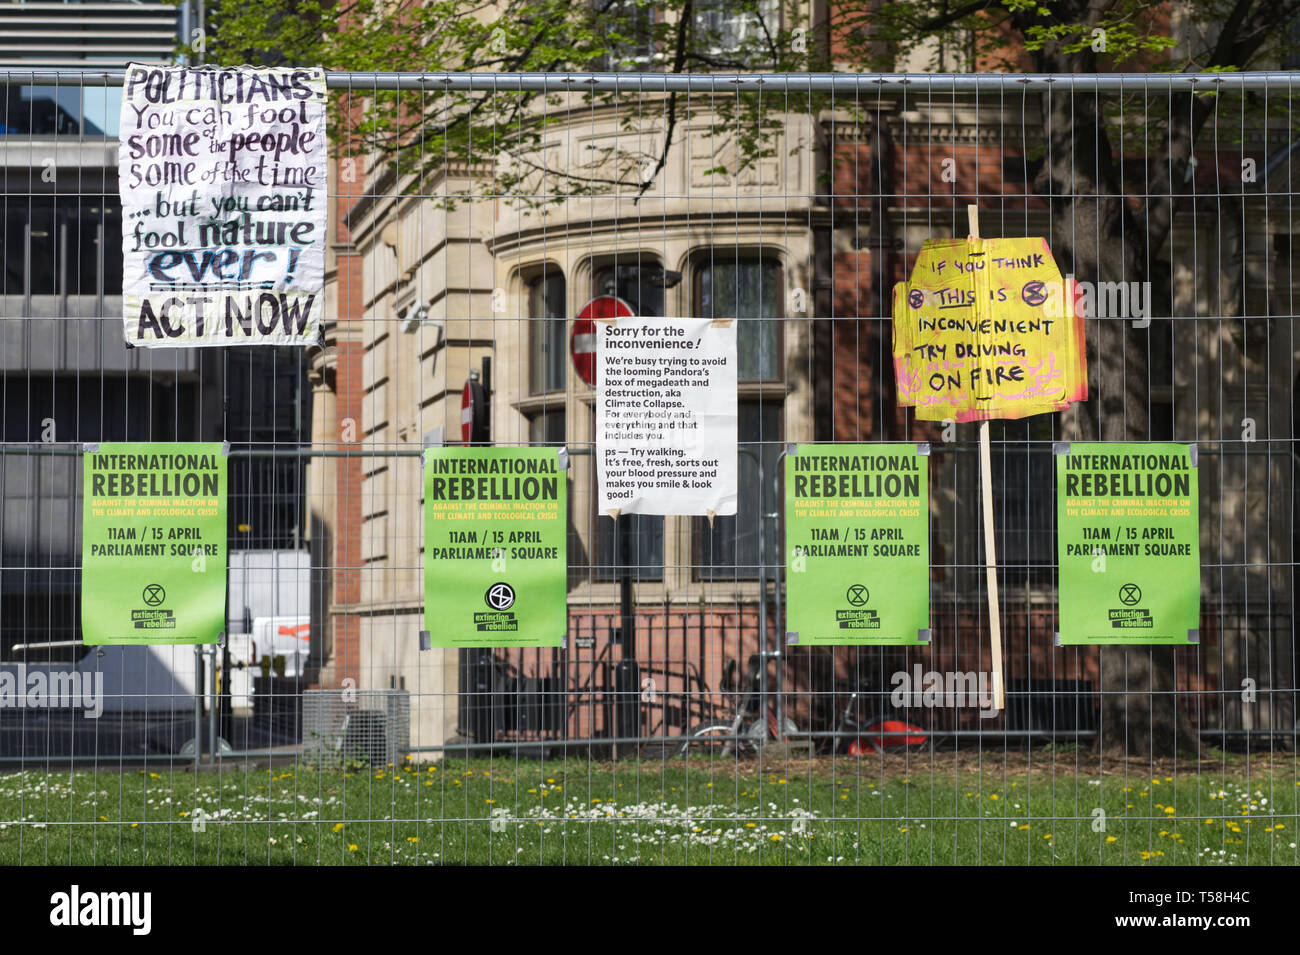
{"x":986,"y":328}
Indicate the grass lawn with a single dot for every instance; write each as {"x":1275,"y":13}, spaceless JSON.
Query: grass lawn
{"x":509,"y":811}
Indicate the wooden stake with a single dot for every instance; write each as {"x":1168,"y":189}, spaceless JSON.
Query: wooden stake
{"x":990,"y":547}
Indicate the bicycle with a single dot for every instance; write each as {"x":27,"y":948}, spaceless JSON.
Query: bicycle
{"x":746,"y":730}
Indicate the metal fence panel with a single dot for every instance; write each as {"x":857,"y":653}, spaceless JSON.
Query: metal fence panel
{"x":676,"y":725}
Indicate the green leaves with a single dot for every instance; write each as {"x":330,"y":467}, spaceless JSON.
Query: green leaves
{"x":421,"y":131}
{"x":516,"y":132}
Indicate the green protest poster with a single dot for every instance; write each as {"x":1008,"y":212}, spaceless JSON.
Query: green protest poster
{"x":1128,"y":543}
{"x":857,"y":544}
{"x":153,"y":544}
{"x":494,"y":547}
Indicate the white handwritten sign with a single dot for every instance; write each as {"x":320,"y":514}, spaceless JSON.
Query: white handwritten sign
{"x":223,"y":183}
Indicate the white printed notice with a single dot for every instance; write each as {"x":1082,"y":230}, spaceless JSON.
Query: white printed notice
{"x":222,"y":176}
{"x":666,"y":416}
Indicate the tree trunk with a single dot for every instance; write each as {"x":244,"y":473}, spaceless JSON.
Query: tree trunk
{"x":1096,"y":238}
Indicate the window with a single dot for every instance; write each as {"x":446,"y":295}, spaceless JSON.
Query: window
{"x":547,"y":356}
{"x":730,"y":548}
{"x":639,"y":281}
{"x":748,"y":289}
{"x":60,"y":110}
{"x":69,"y":245}
{"x":645,"y":539}
{"x":41,"y":499}
{"x":547,"y":325}
{"x":728,"y":26}
{"x":270,"y":404}
{"x":625,"y":27}
{"x":547,"y":428}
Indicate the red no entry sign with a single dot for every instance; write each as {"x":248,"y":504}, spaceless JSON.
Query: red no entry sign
{"x":582,"y":340}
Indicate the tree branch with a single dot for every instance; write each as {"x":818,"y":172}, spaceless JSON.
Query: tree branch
{"x":951,"y":17}
{"x":670,"y":125}
{"x":1244,"y":32}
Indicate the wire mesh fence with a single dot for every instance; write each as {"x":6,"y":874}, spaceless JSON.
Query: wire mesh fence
{"x":677,"y":724}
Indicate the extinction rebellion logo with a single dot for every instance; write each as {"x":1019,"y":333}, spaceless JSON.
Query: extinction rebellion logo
{"x":858,"y":617}
{"x":153,"y":596}
{"x":500,"y":597}
{"x":1130,"y":616}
